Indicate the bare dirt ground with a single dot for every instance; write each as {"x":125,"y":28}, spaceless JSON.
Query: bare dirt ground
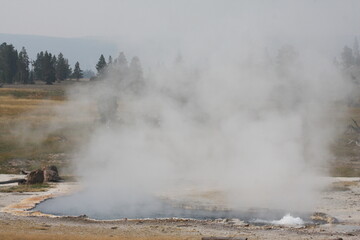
{"x":16,"y":222}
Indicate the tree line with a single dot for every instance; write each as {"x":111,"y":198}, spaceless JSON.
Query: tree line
{"x":128,"y":76}
{"x":350,"y":62}
{"x":122,"y":77}
{"x":16,"y":67}
{"x":350,"y":57}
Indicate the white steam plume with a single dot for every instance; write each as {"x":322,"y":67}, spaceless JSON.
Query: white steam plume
{"x":234,"y":116}
{"x":257,"y":132}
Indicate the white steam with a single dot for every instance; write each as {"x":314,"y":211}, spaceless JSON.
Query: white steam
{"x":255,"y":131}
{"x":287,"y":220}
{"x":241,"y":114}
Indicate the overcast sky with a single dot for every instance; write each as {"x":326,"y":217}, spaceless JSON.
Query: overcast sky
{"x":181,"y":22}
{"x":74,"y":18}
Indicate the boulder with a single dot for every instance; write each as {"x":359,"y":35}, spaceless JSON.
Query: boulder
{"x":51,"y":174}
{"x":35,"y":177}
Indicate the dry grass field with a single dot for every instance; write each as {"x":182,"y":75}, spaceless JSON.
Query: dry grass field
{"x":26,"y":188}
{"x":33,"y":133}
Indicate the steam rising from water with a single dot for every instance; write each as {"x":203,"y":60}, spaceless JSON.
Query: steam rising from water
{"x":256,"y":133}
{"x":236,"y":117}
{"x":289,"y":220}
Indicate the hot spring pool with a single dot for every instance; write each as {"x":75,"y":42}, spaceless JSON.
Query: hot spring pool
{"x":75,"y":205}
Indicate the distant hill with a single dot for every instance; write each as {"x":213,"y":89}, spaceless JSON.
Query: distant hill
{"x":85,"y":50}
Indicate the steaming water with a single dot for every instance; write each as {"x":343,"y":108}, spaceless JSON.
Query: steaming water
{"x":287,"y":220}
{"x":257,"y":133}
{"x":256,"y":136}
{"x":256,"y":124}
{"x":67,"y":206}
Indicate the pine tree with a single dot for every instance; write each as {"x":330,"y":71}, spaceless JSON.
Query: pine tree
{"x":135,"y":69}
{"x":136,"y":75}
{"x":38,"y":66}
{"x":356,"y":52}
{"x":23,"y":67}
{"x":49,"y":68}
{"x":101,"y":65}
{"x":8,"y":63}
{"x":347,"y":57}
{"x":78,"y":73}
{"x":122,"y":67}
{"x":68,"y":69}
{"x":44,"y":67}
{"x":63,"y":70}
{"x":121,"y":60}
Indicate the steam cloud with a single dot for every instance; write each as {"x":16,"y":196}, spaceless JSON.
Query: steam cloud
{"x":253,"y":125}
{"x":256,"y":133}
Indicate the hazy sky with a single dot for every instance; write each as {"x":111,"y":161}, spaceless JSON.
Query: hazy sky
{"x":74,"y":18}
{"x":174,"y":25}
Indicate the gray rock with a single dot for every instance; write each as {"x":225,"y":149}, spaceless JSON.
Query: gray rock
{"x":35,"y":177}
{"x":51,"y":174}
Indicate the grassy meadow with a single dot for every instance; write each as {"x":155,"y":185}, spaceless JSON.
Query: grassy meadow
{"x":31,"y":132}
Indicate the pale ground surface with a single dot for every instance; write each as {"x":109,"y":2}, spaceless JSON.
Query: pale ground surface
{"x":17,"y":223}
